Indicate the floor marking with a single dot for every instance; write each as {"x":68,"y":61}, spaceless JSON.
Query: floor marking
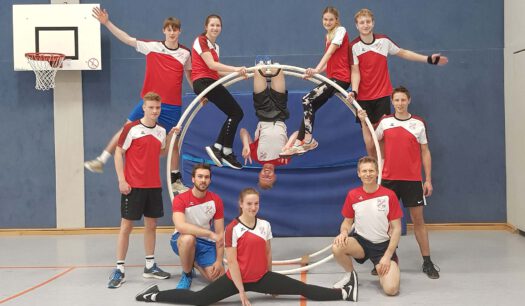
{"x":37,"y":286}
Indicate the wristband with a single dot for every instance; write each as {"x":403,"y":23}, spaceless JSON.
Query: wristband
{"x":435,"y":62}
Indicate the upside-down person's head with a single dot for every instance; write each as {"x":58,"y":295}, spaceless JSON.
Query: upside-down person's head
{"x":201,"y":177}
{"x":267,"y":176}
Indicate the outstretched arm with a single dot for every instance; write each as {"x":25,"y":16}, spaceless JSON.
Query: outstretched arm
{"x":103,"y":17}
{"x":416,"y":57}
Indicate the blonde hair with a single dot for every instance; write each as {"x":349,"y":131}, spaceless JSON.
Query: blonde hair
{"x":364,"y":12}
{"x":151,"y":96}
{"x":332,"y":10}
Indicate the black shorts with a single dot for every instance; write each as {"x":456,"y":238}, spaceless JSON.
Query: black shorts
{"x":409,"y":192}
{"x":373,"y":251}
{"x":375,"y":109}
{"x":142,"y":201}
{"x":271,"y":105}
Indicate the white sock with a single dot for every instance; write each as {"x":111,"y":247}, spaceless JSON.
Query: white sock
{"x":154,"y":297}
{"x":120,"y":265}
{"x":175,"y":171}
{"x":217,"y":146}
{"x":104,"y":156}
{"x":227,"y":151}
{"x":150,"y":261}
{"x":345,"y":294}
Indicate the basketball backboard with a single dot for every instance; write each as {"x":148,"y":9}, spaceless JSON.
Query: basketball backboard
{"x":58,"y":28}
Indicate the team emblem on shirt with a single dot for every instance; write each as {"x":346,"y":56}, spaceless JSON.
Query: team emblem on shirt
{"x":412,"y":125}
{"x":381,"y":204}
{"x":209,"y":210}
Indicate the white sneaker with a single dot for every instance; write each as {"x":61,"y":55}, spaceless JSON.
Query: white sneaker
{"x":178,"y":187}
{"x":343,"y":281}
{"x":300,"y":149}
{"x":95,"y":166}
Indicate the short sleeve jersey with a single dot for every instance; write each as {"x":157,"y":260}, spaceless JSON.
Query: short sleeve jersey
{"x":199,"y":211}
{"x":164,"y":70}
{"x":372,"y":212}
{"x":270,"y":138}
{"x":200,"y":69}
{"x":251,"y":248}
{"x":142,"y":145}
{"x":403,"y":140}
{"x":373,"y":66}
{"x":338,"y":66}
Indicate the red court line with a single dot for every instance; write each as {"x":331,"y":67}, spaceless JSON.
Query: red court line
{"x":37,"y":286}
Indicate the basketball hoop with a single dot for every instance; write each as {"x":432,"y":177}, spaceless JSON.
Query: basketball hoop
{"x":45,"y":66}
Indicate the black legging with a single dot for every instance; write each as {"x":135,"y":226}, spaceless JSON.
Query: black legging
{"x":227,"y":104}
{"x":271,"y":283}
{"x":313,"y":101}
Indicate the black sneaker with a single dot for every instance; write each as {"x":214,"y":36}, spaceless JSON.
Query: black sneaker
{"x":374,"y":271}
{"x":352,"y":288}
{"x":215,"y":155}
{"x":231,"y":161}
{"x":429,"y":268}
{"x":146,"y":294}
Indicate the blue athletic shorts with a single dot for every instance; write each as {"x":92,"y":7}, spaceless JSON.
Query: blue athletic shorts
{"x":205,"y":251}
{"x":169,"y":115}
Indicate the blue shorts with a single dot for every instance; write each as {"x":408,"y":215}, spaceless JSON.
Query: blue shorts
{"x":169,"y":115}
{"x":205,"y":251}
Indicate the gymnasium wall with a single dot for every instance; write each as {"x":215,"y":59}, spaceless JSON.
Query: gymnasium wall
{"x":462,"y":102}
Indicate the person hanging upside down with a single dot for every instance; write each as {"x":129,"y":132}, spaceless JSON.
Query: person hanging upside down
{"x":271,"y":108}
{"x":248,"y":251}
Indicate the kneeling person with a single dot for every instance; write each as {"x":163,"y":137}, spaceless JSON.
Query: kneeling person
{"x":377,"y":213}
{"x":194,"y":241}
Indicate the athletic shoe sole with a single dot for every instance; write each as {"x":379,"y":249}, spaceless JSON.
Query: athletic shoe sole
{"x":149,"y":275}
{"x":224,"y":161}
{"x":213,"y":157}
{"x":118,"y":286}
{"x":87,"y":166}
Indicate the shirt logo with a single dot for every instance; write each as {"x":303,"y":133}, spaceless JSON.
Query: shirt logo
{"x":262,"y":231}
{"x":381,"y":205}
{"x":360,"y":198}
{"x":208,"y":210}
{"x":412,"y":125}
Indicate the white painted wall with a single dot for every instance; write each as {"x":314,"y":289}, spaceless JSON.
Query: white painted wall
{"x":515,"y":110}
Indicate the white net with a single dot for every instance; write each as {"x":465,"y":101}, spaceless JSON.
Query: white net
{"x":45,"y":66}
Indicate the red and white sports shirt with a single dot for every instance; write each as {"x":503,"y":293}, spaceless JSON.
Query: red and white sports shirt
{"x":142,"y":145}
{"x":270,"y":138}
{"x":200,"y":69}
{"x":403,"y":140}
{"x":251,"y":248}
{"x":373,"y":66}
{"x":164,"y":70}
{"x":338,"y":65}
{"x":372,"y":212}
{"x":199,"y":211}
